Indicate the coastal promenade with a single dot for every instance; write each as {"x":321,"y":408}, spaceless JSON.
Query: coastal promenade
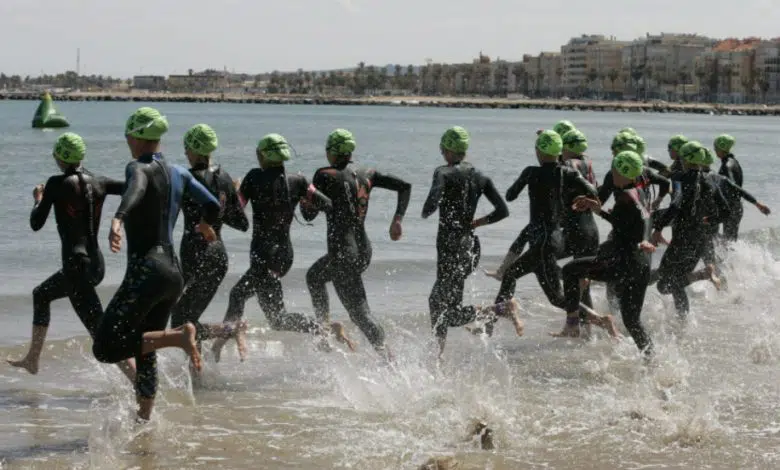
{"x":423,"y":101}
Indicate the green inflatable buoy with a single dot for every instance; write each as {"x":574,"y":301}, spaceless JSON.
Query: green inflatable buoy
{"x":46,"y":115}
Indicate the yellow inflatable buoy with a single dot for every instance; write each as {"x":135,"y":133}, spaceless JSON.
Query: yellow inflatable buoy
{"x":46,"y":115}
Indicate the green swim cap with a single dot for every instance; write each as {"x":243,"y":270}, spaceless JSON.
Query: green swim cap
{"x":629,"y":130}
{"x":677,"y":141}
{"x":70,"y":148}
{"x":725,"y":142}
{"x":549,"y":143}
{"x":625,"y":141}
{"x":693,"y":153}
{"x":146,"y":124}
{"x":275,"y":148}
{"x":575,"y":141}
{"x":709,"y":157}
{"x":629,"y":164}
{"x":455,"y":139}
{"x":340,"y":142}
{"x":201,"y":140}
{"x":562,"y":127}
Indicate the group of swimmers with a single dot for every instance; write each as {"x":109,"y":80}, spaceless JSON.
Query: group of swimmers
{"x":563,"y":195}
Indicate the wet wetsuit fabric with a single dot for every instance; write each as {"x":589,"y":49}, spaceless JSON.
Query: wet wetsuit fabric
{"x":274,"y":195}
{"x":203,"y":264}
{"x":619,"y":262}
{"x":349,"y":249}
{"x":455,"y":192}
{"x":730,"y":168}
{"x":580,"y":232}
{"x":153,"y":281}
{"x":548,"y":184}
{"x":77,"y":197}
{"x":650,"y":177}
{"x":698,"y":198}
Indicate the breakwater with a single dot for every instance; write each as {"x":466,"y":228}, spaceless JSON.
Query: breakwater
{"x":422,"y":101}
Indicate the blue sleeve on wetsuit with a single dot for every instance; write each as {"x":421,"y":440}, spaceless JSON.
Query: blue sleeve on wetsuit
{"x":209,"y":204}
{"x":135,"y":184}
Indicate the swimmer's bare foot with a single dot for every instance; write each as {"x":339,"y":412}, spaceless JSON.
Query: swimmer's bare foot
{"x":570,"y":330}
{"x":337,"y":329}
{"x":240,"y":336}
{"x":216,"y":348}
{"x":607,"y":322}
{"x":714,"y":279}
{"x":26,"y":363}
{"x":494,"y":274}
{"x":511,"y":309}
{"x":190,"y":345}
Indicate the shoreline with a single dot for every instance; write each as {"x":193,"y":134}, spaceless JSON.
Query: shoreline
{"x":412,"y":101}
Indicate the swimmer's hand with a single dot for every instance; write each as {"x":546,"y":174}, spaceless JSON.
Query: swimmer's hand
{"x":38,"y":192}
{"x":657,"y":238}
{"x":764,"y":209}
{"x":396,"y":230}
{"x":584,"y":203}
{"x":646,"y":246}
{"x":237,"y":183}
{"x":207,"y":231}
{"x":115,"y":235}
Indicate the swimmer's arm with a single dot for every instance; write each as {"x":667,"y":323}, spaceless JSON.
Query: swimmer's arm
{"x":209,"y":204}
{"x":40,"y":211}
{"x":743,"y":193}
{"x":501,"y":210}
{"x":606,"y":188}
{"x":398,"y":185}
{"x":310,"y":211}
{"x":434,"y":195}
{"x":663,"y":183}
{"x":724,"y":209}
{"x":234,"y":214}
{"x":658,"y":166}
{"x":518,"y":186}
{"x":113,"y":187}
{"x":136,"y":182}
{"x":606,"y":216}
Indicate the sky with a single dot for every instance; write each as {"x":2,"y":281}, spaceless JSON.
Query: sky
{"x":131,"y":37}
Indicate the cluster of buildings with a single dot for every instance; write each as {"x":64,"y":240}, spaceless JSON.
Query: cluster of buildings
{"x":664,"y":66}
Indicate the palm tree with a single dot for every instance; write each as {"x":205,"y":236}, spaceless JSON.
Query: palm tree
{"x":397,"y":76}
{"x":637,"y":72}
{"x":591,"y":77}
{"x":613,"y":75}
{"x":683,"y":76}
{"x":518,"y":70}
{"x":559,"y":84}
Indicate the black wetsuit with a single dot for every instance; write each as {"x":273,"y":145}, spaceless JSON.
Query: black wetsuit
{"x":349,"y":249}
{"x":580,"y":232}
{"x":77,"y":197}
{"x":650,"y":177}
{"x":455,"y":192}
{"x":548,"y":186}
{"x":697,"y":198}
{"x":619,"y":262}
{"x":203,"y":264}
{"x":730,"y":168}
{"x":730,"y":191}
{"x":274,"y":196}
{"x":153,"y":281}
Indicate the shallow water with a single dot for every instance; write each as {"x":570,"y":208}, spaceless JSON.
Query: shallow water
{"x":709,"y":401}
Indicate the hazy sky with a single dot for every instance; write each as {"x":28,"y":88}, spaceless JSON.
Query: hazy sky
{"x":127,"y":37}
